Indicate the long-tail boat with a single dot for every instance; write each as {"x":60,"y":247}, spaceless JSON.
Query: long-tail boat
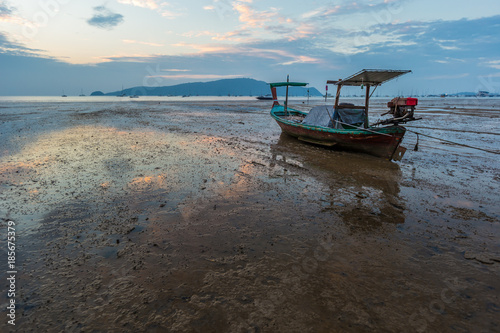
{"x":345,"y":125}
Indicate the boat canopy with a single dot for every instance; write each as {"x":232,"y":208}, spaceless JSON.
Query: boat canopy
{"x":284,"y":84}
{"x":327,"y":116}
{"x":369,"y":77}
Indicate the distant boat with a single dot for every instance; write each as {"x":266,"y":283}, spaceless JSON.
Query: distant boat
{"x":267,"y":97}
{"x":482,"y":93}
{"x":81,"y":93}
{"x":134,"y":96}
{"x":63,"y":94}
{"x":345,"y":125}
{"x":122,"y":94}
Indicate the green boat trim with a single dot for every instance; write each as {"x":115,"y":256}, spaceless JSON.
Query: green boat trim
{"x":284,"y":84}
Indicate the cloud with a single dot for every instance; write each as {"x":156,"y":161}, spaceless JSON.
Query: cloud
{"x":489,"y":75}
{"x":304,"y":30}
{"x":129,"y":41}
{"x":206,"y":48}
{"x":282,"y":57}
{"x":255,"y":24}
{"x":158,"y":6}
{"x":448,"y":77}
{"x":323,"y":12}
{"x":320,"y":24}
{"x":265,"y":42}
{"x":105,"y":18}
{"x":441,"y":44}
{"x":5,"y":10}
{"x":136,"y":58}
{"x":300,"y":59}
{"x":169,"y":14}
{"x":493,"y":64}
{"x":251,"y":17}
{"x":7,"y":14}
{"x":380,"y":12}
{"x":150,"y":4}
{"x":236,"y":36}
{"x":12,"y":48}
{"x":437,"y":41}
{"x":192,"y":34}
{"x":459,"y":37}
{"x":449,"y":60}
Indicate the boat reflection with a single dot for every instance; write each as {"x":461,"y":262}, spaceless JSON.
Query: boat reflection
{"x":361,"y":189}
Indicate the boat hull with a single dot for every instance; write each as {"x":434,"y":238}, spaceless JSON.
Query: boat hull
{"x":381,"y":142}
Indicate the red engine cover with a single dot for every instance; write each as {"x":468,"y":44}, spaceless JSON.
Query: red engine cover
{"x":410,"y":101}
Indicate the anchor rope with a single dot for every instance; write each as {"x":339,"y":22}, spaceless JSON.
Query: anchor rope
{"x":455,"y":143}
{"x":452,"y":130}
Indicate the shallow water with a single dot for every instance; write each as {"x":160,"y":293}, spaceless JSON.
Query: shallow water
{"x":199,"y":215}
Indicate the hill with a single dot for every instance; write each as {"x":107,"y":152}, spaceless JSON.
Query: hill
{"x":225,"y":87}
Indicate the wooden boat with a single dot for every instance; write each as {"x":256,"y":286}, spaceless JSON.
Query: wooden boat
{"x":345,"y":126}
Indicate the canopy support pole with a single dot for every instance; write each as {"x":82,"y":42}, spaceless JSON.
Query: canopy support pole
{"x":275,"y":96}
{"x":337,"y":96}
{"x":286,"y":97}
{"x":367,"y":99}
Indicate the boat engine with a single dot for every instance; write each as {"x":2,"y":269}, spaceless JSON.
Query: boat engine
{"x":402,"y":110}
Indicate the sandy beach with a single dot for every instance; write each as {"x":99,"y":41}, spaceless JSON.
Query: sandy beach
{"x":200,"y":216}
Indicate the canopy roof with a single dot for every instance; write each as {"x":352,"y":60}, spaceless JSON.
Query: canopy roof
{"x":283,"y":84}
{"x":372,"y":77}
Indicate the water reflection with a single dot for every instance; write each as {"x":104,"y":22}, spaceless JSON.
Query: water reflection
{"x":362,"y":189}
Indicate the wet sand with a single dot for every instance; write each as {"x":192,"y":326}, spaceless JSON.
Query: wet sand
{"x":201,"y":217}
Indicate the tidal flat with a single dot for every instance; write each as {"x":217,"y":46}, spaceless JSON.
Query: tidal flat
{"x":196,"y":215}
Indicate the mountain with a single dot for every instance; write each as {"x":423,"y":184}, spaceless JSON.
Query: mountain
{"x":225,"y":87}
{"x":466,"y":94}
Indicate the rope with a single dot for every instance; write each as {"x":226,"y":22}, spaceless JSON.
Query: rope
{"x":363,"y":129}
{"x":455,"y":143}
{"x":452,"y":130}
{"x":331,"y":118}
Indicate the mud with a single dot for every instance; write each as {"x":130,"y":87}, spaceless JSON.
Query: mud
{"x":199,"y":216}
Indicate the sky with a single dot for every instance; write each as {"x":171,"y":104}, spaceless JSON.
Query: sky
{"x":52,"y":46}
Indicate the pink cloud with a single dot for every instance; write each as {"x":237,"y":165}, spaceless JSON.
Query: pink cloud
{"x":150,"y":4}
{"x":284,"y":57}
{"x":129,"y":41}
{"x":156,"y":5}
{"x":251,"y":17}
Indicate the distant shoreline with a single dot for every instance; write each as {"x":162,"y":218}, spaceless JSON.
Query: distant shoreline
{"x":75,"y":98}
